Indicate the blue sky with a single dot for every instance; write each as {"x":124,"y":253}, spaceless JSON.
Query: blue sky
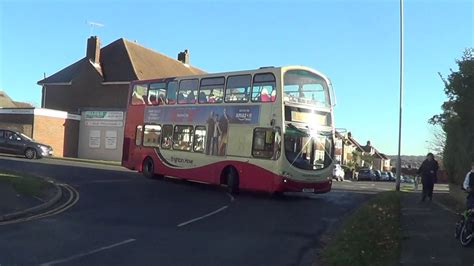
{"x":355,"y":43}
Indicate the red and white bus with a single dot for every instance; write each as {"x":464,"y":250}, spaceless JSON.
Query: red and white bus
{"x":269,"y":129}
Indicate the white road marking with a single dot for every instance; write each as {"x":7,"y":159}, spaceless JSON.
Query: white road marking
{"x":86,"y":253}
{"x":204,"y":216}
{"x":38,"y":198}
{"x":228,"y":194}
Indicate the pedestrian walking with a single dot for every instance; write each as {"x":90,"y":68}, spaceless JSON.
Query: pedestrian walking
{"x":428,"y":171}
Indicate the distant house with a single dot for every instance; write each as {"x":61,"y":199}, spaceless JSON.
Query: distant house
{"x":7,"y":102}
{"x":102,"y":77}
{"x":380,"y":161}
{"x":349,"y":148}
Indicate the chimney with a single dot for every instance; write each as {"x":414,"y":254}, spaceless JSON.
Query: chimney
{"x":93,"y":49}
{"x":184,"y":57}
{"x":368,"y":143}
{"x":349,"y":134}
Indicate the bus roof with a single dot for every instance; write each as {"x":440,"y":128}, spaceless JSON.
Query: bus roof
{"x":265,"y":69}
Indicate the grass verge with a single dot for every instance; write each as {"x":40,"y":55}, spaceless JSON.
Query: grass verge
{"x":370,"y":236}
{"x":25,"y":184}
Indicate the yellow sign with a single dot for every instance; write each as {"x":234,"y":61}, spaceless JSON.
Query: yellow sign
{"x":309,"y":117}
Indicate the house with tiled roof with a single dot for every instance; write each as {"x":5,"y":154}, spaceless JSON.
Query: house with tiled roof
{"x":361,"y":156}
{"x":380,"y":161}
{"x":7,"y":102}
{"x":102,"y":77}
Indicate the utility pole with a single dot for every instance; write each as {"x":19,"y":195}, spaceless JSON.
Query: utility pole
{"x":399,"y":160}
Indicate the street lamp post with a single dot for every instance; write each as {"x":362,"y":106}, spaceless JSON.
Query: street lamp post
{"x":399,"y":160}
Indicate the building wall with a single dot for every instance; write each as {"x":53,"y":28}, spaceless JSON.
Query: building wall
{"x":86,"y":91}
{"x":59,"y":133}
{"x":17,"y":122}
{"x":101,"y":138}
{"x":377,"y":165}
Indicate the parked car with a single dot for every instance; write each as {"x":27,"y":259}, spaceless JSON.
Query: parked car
{"x":13,"y":142}
{"x":378,"y":175}
{"x":407,"y":179}
{"x":391,"y":176}
{"x":338,"y":173}
{"x":385,"y":176}
{"x":366,"y":174}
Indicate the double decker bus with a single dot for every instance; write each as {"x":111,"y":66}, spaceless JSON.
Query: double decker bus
{"x":269,"y":129}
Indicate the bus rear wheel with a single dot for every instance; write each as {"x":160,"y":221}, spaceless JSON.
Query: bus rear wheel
{"x":232,"y":179}
{"x":148,"y":168}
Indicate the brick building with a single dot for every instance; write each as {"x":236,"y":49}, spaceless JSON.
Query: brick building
{"x":56,"y":128}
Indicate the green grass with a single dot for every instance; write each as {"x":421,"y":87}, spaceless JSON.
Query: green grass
{"x":113,"y":163}
{"x":370,"y":236}
{"x":25,"y":184}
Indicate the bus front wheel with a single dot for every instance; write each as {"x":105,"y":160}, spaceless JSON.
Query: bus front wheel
{"x":232,"y":181}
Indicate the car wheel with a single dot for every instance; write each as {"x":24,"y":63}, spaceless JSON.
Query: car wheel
{"x":30,"y":153}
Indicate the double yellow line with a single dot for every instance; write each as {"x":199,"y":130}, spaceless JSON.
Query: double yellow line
{"x":71,"y":201}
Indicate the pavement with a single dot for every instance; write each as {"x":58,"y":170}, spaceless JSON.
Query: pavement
{"x":428,"y":234}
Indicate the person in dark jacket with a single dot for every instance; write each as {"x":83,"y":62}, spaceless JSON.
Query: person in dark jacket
{"x":428,"y":170}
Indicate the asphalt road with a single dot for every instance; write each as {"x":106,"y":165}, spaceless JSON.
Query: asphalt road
{"x":124,"y":219}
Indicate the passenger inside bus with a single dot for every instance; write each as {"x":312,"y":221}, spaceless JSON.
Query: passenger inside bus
{"x":264,"y":96}
{"x":181,"y":98}
{"x":212,"y":98}
{"x":153,"y":100}
{"x":191,"y":97}
{"x":202,"y":97}
{"x":273,"y":95}
{"x":137,"y":99}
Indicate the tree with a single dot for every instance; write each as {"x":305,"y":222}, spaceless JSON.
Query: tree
{"x":438,"y":140}
{"x":457,"y":119}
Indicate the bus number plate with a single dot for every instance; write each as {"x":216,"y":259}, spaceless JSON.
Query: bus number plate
{"x":308,"y":190}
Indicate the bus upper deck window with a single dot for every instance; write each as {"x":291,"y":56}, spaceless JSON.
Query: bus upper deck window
{"x":187,"y":91}
{"x":139,"y":94}
{"x":238,"y":88}
{"x":264,"y":88}
{"x":211,"y":90}
{"x":156,"y":93}
{"x":171,"y":89}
